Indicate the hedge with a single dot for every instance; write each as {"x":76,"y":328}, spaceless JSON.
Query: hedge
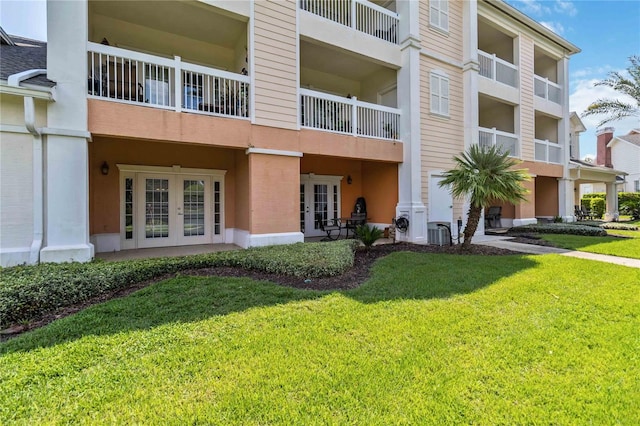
{"x":560,"y":228}
{"x":629,"y":204}
{"x":30,"y":291}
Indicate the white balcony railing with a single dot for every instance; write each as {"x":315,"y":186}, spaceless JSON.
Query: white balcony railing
{"x":332,"y":113}
{"x":497,"y":69}
{"x":506,"y":142}
{"x":546,"y":89}
{"x":362,"y":15}
{"x":549,"y":152}
{"x":139,"y":78}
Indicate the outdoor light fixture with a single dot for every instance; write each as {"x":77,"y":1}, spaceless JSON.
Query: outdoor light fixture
{"x":349,"y":180}
{"x":104,"y":168}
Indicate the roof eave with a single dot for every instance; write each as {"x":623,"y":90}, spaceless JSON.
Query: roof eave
{"x":534,"y":25}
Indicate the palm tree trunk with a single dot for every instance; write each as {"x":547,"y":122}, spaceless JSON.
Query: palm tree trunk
{"x":472,"y":225}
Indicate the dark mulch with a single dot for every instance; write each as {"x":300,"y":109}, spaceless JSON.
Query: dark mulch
{"x":352,"y":278}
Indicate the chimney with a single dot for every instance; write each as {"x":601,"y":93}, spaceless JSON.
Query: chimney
{"x":603,"y":156}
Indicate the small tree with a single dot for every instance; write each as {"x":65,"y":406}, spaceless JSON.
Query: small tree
{"x":615,"y":109}
{"x":368,"y":235}
{"x":484,"y":175}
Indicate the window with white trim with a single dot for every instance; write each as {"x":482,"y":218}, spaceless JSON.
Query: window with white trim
{"x":439,"y":94}
{"x":636,"y":185}
{"x":439,"y":14}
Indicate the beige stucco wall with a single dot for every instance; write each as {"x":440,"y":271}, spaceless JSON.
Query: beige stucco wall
{"x":275,"y":63}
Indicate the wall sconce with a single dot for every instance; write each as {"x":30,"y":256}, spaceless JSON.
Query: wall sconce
{"x":349,"y":180}
{"x":104,"y":168}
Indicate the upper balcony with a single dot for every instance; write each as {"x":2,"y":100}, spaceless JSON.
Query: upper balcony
{"x":547,"y":87}
{"x":497,"y":126}
{"x":360,"y":26}
{"x":498,"y":65}
{"x":347,"y":94}
{"x":547,"y":149}
{"x":360,"y":15}
{"x":187,"y":57}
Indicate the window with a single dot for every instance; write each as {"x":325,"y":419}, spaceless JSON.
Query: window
{"x":439,"y":94}
{"x":439,"y":14}
{"x":636,"y":185}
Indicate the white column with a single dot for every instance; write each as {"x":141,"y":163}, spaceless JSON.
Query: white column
{"x":611,"y":211}
{"x":470,"y":70}
{"x":565,"y":199}
{"x":565,"y":185}
{"x":410,"y":173}
{"x":66,"y":179}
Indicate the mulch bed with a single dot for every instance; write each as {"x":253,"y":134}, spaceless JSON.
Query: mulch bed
{"x":352,"y":278}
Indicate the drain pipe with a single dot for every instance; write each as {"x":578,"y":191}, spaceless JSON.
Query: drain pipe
{"x":38,"y":165}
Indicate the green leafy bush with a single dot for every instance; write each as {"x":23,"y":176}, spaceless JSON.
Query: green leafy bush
{"x":629,"y":203}
{"x":598,"y":207}
{"x":368,"y":234}
{"x":27,"y":291}
{"x":619,"y":226}
{"x":560,"y":228}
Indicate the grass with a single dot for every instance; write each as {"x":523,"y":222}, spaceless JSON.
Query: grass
{"x":428,"y":339}
{"x":611,"y":245}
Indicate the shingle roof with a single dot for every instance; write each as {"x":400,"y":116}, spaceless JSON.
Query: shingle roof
{"x":24,"y":55}
{"x":633,"y":138}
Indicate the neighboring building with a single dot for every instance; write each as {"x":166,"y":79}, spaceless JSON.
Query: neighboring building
{"x":625,"y":155}
{"x":174,"y":123}
{"x":599,"y":176}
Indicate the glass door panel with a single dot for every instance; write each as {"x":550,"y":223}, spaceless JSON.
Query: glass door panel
{"x":194,"y":210}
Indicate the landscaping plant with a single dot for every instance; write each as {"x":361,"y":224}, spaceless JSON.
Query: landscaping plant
{"x":484,"y":175}
{"x":368,"y":234}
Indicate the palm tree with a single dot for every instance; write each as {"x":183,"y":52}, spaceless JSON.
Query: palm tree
{"x":616,"y":109}
{"x":485,"y":175}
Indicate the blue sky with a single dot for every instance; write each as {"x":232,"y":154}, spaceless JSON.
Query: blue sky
{"x":608,"y":32}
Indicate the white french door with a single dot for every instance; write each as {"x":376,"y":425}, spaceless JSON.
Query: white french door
{"x":164,"y":209}
{"x":177,"y":210}
{"x":319,"y":198}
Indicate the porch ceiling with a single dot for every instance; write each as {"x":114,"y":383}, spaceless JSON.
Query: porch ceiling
{"x":334,"y":61}
{"x":196,"y":21}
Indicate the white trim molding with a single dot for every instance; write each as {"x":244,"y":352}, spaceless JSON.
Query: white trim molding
{"x":267,"y":151}
{"x":175,"y":170}
{"x":245,"y":240}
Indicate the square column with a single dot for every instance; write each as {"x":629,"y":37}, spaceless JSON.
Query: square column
{"x":611,"y":213}
{"x":526,"y":210}
{"x":274,"y":198}
{"x":66,"y":177}
{"x":410,"y":203}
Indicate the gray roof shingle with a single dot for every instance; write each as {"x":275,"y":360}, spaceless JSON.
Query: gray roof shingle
{"x":24,"y":55}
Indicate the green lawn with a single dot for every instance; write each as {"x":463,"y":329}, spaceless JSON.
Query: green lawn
{"x":615,"y":246}
{"x":429,"y":339}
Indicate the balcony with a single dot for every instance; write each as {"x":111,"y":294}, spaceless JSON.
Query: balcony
{"x":497,"y":69}
{"x":547,"y":90}
{"x":127,"y":76}
{"x":349,"y":116}
{"x":548,"y":152}
{"x":506,"y":142}
{"x":360,"y":15}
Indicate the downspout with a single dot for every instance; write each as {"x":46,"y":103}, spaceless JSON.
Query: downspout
{"x":38,"y":165}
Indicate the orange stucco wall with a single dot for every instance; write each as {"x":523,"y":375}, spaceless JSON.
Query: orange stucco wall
{"x":121,"y":120}
{"x":527,"y":209}
{"x":375,"y":181}
{"x":541,"y":169}
{"x":104,"y":192}
{"x":546,"y":196}
{"x":380,"y":189}
{"x":274,"y":192}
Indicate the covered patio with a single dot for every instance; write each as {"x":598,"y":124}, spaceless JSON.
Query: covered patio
{"x":581,"y":172}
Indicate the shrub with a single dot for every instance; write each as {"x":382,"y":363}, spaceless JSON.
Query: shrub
{"x":560,"y":228}
{"x":598,"y":206}
{"x":619,"y":226}
{"x":629,"y":203}
{"x":368,"y":234}
{"x":558,"y":219}
{"x":28,"y":291}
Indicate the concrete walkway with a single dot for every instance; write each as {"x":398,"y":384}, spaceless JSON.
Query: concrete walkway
{"x":503,"y":243}
{"x":148,"y":253}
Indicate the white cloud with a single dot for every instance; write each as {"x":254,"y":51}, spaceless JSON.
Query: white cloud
{"x":565,"y":7}
{"x":556,"y":27}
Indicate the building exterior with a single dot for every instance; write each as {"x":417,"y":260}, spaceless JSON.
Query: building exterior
{"x":625,"y":155}
{"x":172,"y":123}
